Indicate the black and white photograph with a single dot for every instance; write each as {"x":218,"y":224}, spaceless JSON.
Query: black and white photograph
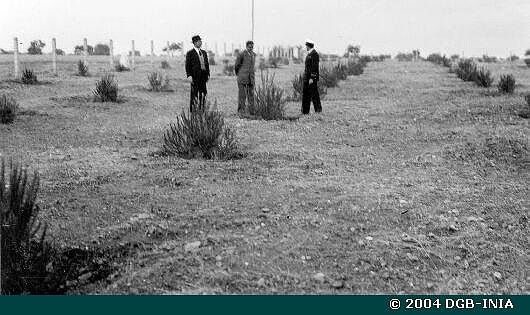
{"x":264,"y":147}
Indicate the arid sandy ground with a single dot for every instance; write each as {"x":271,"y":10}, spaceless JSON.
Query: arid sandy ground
{"x":410,"y":181}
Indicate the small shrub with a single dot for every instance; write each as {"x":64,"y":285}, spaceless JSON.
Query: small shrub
{"x":298,"y":87}
{"x":355,"y":67}
{"x":455,"y":57}
{"x":201,"y":133}
{"x":274,"y":62}
{"x":466,"y":70}
{"x":489,"y":59}
{"x":527,"y":61}
{"x":29,"y":77}
{"x":106,"y":89}
{"x":120,"y":67}
{"x":527,"y":97}
{"x":165,"y":64}
{"x":8,"y":109}
{"x":404,"y":57}
{"x":446,"y":62}
{"x":25,"y":253}
{"x":82,"y":68}
{"x":483,"y":77}
{"x":506,"y":84}
{"x":435,"y":58}
{"x":342,"y":71}
{"x":269,"y":102}
{"x":513,"y":58}
{"x":329,"y":77}
{"x":228,"y":68}
{"x":158,"y":82}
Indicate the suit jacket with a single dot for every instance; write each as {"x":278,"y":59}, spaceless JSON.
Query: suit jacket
{"x":193,"y":64}
{"x":245,"y":67}
{"x":312,"y":66}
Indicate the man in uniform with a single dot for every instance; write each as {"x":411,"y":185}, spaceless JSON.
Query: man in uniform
{"x":311,"y":76}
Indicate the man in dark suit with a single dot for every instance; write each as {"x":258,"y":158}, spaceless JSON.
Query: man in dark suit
{"x":311,"y":76}
{"x":198,"y":68}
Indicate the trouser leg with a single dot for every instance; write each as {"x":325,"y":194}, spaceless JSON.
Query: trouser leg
{"x":306,"y":99}
{"x":315,"y":97}
{"x":241,"y":97}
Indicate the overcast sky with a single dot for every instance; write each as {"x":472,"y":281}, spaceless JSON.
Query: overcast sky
{"x":379,"y":26}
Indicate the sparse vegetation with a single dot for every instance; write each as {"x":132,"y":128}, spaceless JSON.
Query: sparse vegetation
{"x":466,"y":70}
{"x":269,"y":101}
{"x":483,"y":77}
{"x":404,"y":57}
{"x":165,"y":64}
{"x":106,"y":89}
{"x":158,"y":82}
{"x":8,"y":109}
{"x":82,"y":68}
{"x":228,"y":68}
{"x":506,"y":84}
{"x":355,"y":67}
{"x":29,"y":77}
{"x":298,"y":85}
{"x":25,"y":252}
{"x":201,"y":134}
{"x":329,"y":77}
{"x":118,"y":67}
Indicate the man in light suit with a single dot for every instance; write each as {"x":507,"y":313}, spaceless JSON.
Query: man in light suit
{"x":311,"y":76}
{"x":244,"y":68}
{"x":198,"y":68}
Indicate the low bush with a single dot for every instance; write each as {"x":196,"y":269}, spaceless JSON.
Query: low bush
{"x":201,"y":134}
{"x":25,"y":252}
{"x":527,"y":61}
{"x":158,"y":82}
{"x":106,"y":89}
{"x":483,"y":77}
{"x":120,"y":67}
{"x":489,"y":59}
{"x":165,"y":64}
{"x":8,"y":109}
{"x":506,"y":84}
{"x":466,"y":70}
{"x":298,"y":87}
{"x":527,"y":97}
{"x":329,"y":77}
{"x":342,"y":71}
{"x":512,"y":58}
{"x":435,"y":58}
{"x":82,"y":68}
{"x":355,"y":67}
{"x":269,"y":102}
{"x":28,"y":77}
{"x":404,"y":57}
{"x":229,"y":69}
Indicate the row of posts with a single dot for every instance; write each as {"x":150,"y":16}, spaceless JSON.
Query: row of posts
{"x":275,"y":52}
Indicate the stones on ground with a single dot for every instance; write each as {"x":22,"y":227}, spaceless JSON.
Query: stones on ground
{"x":193,"y":246}
{"x":497,"y":275}
{"x":320,"y":277}
{"x":85,"y":277}
{"x":261,"y":282}
{"x":338,"y":284}
{"x":265,"y":210}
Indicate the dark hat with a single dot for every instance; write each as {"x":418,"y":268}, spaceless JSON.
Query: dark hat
{"x":195,"y":38}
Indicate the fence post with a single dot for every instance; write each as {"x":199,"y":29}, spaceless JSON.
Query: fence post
{"x":54,"y":56}
{"x":15,"y":52}
{"x":85,"y":50}
{"x":133,"y":54}
{"x":111,"y":53}
{"x":152,"y":52}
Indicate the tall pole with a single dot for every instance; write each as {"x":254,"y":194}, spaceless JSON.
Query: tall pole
{"x":111,"y":53}
{"x":54,"y":56}
{"x":252,"y":20}
{"x":133,"y":53}
{"x":15,"y":54}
